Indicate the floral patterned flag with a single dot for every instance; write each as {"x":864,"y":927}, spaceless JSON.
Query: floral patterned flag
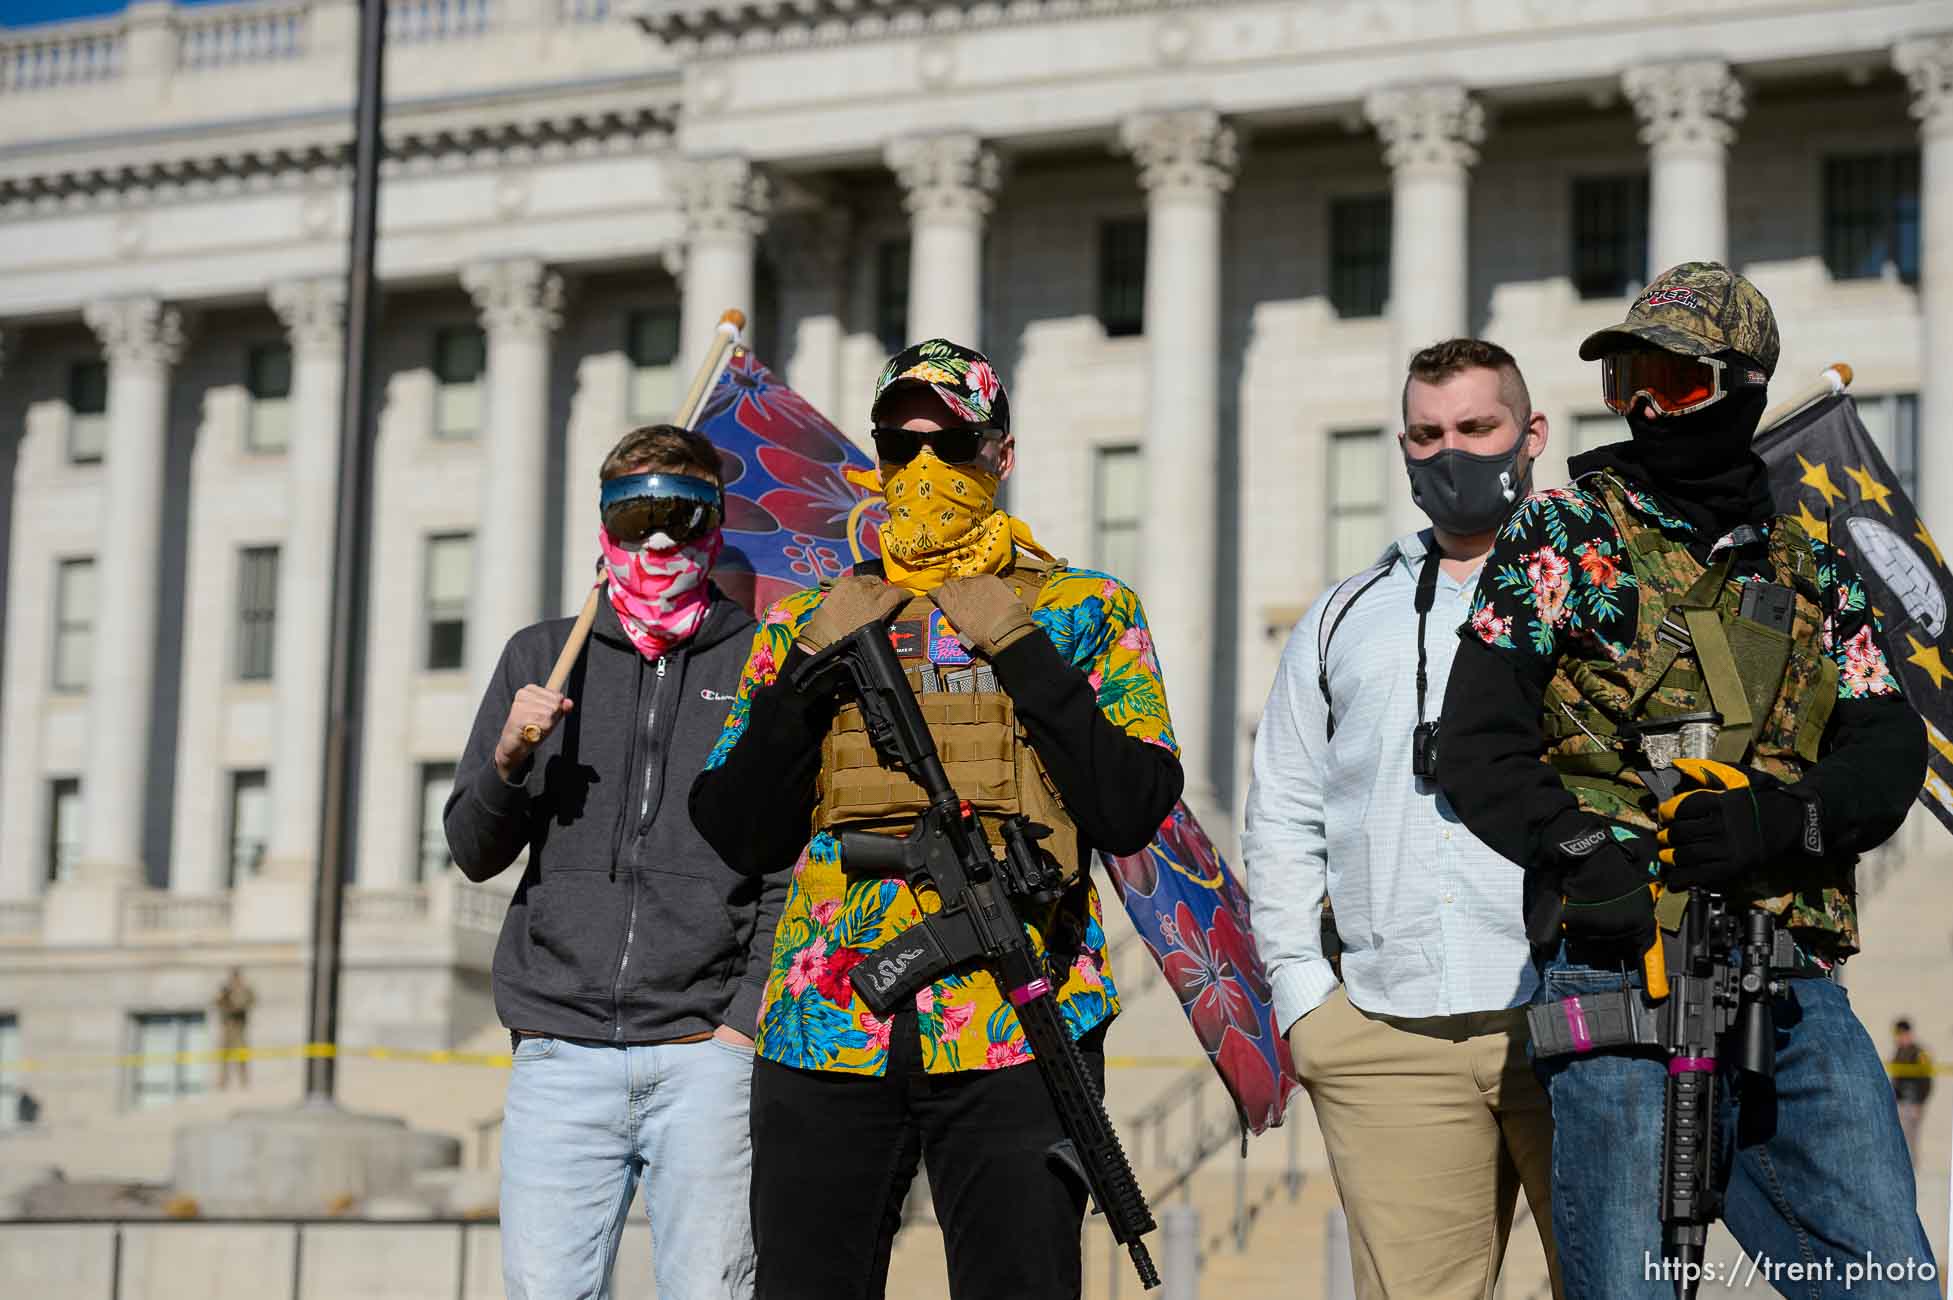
{"x":788,"y":501}
{"x":1826,"y":470}
{"x":1192,"y":915}
{"x":788,"y":505}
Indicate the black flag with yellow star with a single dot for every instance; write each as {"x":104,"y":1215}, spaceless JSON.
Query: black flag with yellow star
{"x":1825,"y":470}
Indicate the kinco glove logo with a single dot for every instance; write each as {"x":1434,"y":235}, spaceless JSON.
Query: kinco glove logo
{"x":1583,"y":845}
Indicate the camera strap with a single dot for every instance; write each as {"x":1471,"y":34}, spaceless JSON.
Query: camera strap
{"x":1427,"y":594}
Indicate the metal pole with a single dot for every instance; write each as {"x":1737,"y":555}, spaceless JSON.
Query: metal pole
{"x":346,"y":635}
{"x":1180,"y":1252}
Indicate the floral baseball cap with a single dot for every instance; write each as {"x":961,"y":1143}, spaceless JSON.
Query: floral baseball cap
{"x":962,"y":377}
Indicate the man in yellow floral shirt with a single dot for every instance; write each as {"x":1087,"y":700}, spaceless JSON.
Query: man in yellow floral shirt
{"x":1044,"y":695}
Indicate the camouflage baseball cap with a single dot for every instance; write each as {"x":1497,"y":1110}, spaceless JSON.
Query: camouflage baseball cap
{"x":1696,"y":309}
{"x":962,"y":377}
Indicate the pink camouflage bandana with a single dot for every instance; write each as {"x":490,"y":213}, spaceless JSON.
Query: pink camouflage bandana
{"x":660,"y":594}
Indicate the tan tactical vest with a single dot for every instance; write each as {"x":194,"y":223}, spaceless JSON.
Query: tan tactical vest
{"x":1692,"y":652}
{"x":985,"y":752}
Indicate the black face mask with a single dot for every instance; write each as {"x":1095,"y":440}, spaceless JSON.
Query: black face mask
{"x":1700,"y":463}
{"x":1464,"y":492}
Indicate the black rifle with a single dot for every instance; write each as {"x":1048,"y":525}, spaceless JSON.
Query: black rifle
{"x":978,"y":922}
{"x":1730,"y":959}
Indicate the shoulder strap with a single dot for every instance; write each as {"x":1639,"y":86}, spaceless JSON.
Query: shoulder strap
{"x":1332,"y":618}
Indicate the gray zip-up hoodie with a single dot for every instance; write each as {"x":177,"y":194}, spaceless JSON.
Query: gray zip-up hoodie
{"x":626,"y":927}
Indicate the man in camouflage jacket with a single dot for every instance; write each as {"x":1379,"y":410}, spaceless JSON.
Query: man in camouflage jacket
{"x":1622,"y":599}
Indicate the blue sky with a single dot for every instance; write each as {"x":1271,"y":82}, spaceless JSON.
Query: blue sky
{"x":20,"y":13}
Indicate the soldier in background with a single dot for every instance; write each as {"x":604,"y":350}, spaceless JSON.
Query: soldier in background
{"x":234,"y":1003}
{"x":1912,"y":1082}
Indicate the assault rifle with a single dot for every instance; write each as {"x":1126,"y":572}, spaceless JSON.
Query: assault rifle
{"x":978,"y":923}
{"x":1730,"y":962}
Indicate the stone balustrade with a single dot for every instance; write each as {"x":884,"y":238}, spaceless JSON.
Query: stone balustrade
{"x":71,"y":54}
{"x":225,"y":35}
{"x":20,"y":920}
{"x":160,"y":917}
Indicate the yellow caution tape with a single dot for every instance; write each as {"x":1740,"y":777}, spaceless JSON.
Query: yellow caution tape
{"x":308,"y":1051}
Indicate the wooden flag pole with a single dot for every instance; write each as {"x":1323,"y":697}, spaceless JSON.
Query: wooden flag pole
{"x":724,"y":338}
{"x":1835,"y":379}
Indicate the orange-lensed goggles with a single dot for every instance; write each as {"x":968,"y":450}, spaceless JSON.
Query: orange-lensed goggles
{"x":1673,"y":385}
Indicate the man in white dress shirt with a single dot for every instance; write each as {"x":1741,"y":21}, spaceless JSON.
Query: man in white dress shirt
{"x":1416,"y":1062}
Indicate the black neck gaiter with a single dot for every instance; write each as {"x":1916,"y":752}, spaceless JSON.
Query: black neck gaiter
{"x":1700,"y":464}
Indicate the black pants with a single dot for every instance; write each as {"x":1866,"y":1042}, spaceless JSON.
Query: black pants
{"x":834,"y":1154}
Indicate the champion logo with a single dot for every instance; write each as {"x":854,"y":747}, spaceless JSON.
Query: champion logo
{"x":1678,"y":296}
{"x":705,"y":693}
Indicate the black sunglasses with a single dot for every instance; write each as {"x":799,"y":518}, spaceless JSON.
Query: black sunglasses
{"x":955,"y":446}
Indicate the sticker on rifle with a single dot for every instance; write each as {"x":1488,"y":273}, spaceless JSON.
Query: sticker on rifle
{"x":944,"y":646}
{"x":906,"y":637}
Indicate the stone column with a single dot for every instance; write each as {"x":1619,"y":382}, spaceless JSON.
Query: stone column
{"x":143,"y":340}
{"x":725,"y":202}
{"x":811,"y":248}
{"x":1430,"y":136}
{"x":314,"y":315}
{"x":520,"y":301}
{"x":950,"y":182}
{"x":1927,"y":62}
{"x":1688,"y":113}
{"x":1187,"y":160}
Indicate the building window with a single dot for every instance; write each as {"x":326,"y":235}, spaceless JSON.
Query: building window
{"x":268,"y":374}
{"x":892,"y":294}
{"x":250,"y":826}
{"x":460,"y":357}
{"x":87,"y":412}
{"x":1358,"y":530}
{"x":1118,"y":501}
{"x":449,"y":558}
{"x":74,"y":623}
{"x":651,"y":342}
{"x":1596,"y":429}
{"x":63,"y":827}
{"x":1610,"y":235}
{"x":1359,"y":255}
{"x":1893,"y":421}
{"x":436,"y":781}
{"x":257,"y":611}
{"x":163,"y":1042}
{"x":1871,"y":216}
{"x":1122,"y":276}
{"x":10,"y":1090}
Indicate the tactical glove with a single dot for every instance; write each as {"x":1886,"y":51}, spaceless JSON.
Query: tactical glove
{"x":1734,"y":821}
{"x":853,"y":601}
{"x":1606,"y":892}
{"x":986,"y":613}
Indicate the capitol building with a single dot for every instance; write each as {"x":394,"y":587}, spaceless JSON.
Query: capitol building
{"x":1199,"y":237}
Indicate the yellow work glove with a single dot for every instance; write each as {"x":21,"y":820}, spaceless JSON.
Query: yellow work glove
{"x":986,"y":613}
{"x":853,"y":601}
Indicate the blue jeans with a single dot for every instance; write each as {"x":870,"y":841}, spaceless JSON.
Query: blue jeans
{"x":1818,"y":1186}
{"x":583,"y":1123}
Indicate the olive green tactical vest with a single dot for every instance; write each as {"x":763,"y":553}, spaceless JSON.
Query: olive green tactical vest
{"x":1693,"y":652}
{"x":986,"y":754}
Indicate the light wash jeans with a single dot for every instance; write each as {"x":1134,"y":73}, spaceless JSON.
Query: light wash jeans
{"x":581,"y":1126}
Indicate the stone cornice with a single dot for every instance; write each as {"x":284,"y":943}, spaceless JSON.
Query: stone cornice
{"x":716,"y":27}
{"x":302,"y":159}
{"x":1688,"y":105}
{"x":137,"y":329}
{"x":1927,"y":62}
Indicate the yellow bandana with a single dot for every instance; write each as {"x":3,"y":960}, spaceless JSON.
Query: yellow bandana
{"x":943,"y":523}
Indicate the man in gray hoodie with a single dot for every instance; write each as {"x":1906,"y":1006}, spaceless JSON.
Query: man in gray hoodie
{"x":632,"y":959}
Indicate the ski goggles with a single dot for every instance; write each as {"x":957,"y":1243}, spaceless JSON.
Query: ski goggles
{"x":636,"y":507}
{"x":1673,"y":384}
{"x":955,"y":446}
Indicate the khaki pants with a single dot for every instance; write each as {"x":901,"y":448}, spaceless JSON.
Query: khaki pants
{"x":1432,"y":1126}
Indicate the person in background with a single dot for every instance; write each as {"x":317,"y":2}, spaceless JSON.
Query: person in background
{"x":1912,"y":1082}
{"x":234,"y":1002}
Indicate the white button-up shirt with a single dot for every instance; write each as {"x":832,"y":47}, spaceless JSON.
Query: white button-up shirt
{"x":1430,"y":918}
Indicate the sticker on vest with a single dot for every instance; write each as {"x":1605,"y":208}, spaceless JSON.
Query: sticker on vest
{"x":944,"y":647}
{"x":906,"y":637}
